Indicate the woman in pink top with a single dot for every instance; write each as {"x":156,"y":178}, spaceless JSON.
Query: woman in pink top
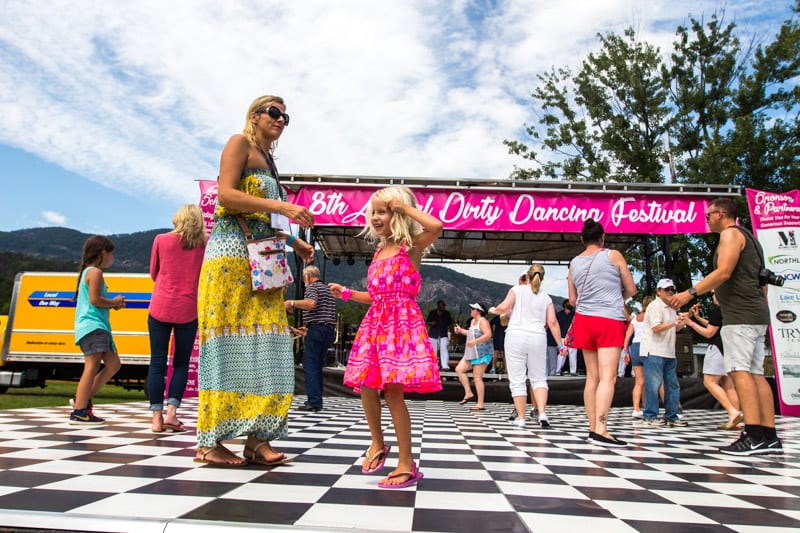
{"x":175,"y":267}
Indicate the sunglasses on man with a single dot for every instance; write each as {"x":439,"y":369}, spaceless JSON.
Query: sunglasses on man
{"x":274,"y":113}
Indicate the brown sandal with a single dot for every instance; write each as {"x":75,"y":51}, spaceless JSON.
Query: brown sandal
{"x":252,"y":456}
{"x":217,"y":462}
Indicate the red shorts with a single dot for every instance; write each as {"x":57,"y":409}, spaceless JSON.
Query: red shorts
{"x":593,"y":332}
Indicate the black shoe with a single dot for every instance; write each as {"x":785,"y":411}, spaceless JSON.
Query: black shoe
{"x":513,"y":415}
{"x":774,"y":446}
{"x":746,"y":446}
{"x":306,"y":407}
{"x":605,"y":441}
{"x":83,"y":416}
{"x":544,"y":423}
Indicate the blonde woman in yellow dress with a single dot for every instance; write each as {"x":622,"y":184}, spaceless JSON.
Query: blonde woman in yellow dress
{"x":246,"y":366}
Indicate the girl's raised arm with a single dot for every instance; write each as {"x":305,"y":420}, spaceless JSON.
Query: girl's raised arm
{"x":432,"y":228}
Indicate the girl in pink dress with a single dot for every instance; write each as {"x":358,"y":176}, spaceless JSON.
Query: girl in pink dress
{"x":392,"y":352}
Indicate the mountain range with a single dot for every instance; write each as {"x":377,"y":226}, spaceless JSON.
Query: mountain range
{"x":59,"y":250}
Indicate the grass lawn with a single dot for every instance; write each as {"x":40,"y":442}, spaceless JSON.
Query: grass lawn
{"x":59,"y":392}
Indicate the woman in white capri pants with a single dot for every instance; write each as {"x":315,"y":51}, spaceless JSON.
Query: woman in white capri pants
{"x":526,"y":342}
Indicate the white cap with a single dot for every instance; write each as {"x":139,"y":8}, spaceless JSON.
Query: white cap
{"x":523,"y":273}
{"x":477,"y":306}
{"x":665,"y":283}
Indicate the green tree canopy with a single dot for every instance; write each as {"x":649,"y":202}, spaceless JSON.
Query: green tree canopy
{"x":713,"y":111}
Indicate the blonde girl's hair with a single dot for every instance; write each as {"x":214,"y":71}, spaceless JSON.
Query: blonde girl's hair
{"x":93,"y":250}
{"x":535,"y":277}
{"x":189,"y":226}
{"x":647,"y":300}
{"x":403,"y":228}
{"x":249,"y":131}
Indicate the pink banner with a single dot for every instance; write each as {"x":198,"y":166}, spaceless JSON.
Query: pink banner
{"x":776,"y":224}
{"x":772,"y":210}
{"x":208,"y":201}
{"x":511,"y":210}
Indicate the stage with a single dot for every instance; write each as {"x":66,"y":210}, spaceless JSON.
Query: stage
{"x":563,"y":390}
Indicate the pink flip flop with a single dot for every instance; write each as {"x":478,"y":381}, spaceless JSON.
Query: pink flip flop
{"x":415,"y":474}
{"x":382,"y":455}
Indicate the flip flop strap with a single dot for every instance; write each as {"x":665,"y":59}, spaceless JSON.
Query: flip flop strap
{"x":397,"y":474}
{"x":377,"y":454}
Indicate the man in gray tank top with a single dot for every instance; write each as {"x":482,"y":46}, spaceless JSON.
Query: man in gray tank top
{"x":737,"y":261}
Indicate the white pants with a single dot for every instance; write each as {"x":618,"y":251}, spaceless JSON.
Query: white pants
{"x":440,"y":346}
{"x":526,"y":357}
{"x":573,"y":361}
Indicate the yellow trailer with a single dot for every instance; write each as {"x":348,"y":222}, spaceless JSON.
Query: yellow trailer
{"x":39,"y":341}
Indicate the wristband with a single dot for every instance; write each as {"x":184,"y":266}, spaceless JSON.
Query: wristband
{"x":560,"y":347}
{"x":346,"y":294}
{"x":290,"y":240}
{"x":692,"y":325}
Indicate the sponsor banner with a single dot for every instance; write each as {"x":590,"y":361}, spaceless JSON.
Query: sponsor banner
{"x":208,"y":202}
{"x":776,"y":224}
{"x":508,"y":209}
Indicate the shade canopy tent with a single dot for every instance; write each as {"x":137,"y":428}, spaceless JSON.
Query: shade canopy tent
{"x":506,"y":221}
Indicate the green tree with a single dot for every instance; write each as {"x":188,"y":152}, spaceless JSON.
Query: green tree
{"x":605,"y":123}
{"x":767,"y":122}
{"x":730,"y":113}
{"x":702,"y":78}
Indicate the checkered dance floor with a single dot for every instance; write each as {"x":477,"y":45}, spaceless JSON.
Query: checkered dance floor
{"x":481,"y":474}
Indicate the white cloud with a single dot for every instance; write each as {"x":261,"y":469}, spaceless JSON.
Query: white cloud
{"x":52,"y":218}
{"x":141,"y":99}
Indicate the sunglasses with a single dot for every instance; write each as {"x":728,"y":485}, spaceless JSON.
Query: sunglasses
{"x":669,"y":289}
{"x":275,"y":113}
{"x":708,"y":215}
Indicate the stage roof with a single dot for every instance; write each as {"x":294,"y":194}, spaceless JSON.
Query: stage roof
{"x":498,"y":243}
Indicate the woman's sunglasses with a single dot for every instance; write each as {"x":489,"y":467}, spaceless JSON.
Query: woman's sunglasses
{"x":274,"y":113}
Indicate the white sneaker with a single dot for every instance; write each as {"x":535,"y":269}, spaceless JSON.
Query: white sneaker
{"x":519,"y":422}
{"x":637,"y":414}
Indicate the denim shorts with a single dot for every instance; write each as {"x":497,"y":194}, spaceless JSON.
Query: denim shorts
{"x":636,"y":360}
{"x":98,"y":341}
{"x":744,"y":347}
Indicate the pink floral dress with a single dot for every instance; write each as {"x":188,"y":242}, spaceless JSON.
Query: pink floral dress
{"x":392,"y":344}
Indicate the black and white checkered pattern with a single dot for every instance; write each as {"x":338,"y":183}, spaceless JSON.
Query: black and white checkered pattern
{"x":481,"y":474}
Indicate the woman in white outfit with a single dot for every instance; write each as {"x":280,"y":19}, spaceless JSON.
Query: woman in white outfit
{"x":630,"y":352}
{"x":526,"y":342}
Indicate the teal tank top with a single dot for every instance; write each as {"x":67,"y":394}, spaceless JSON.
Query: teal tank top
{"x":89,"y":318}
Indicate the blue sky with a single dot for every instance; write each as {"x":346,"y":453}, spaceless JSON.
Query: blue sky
{"x":109,"y":115}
